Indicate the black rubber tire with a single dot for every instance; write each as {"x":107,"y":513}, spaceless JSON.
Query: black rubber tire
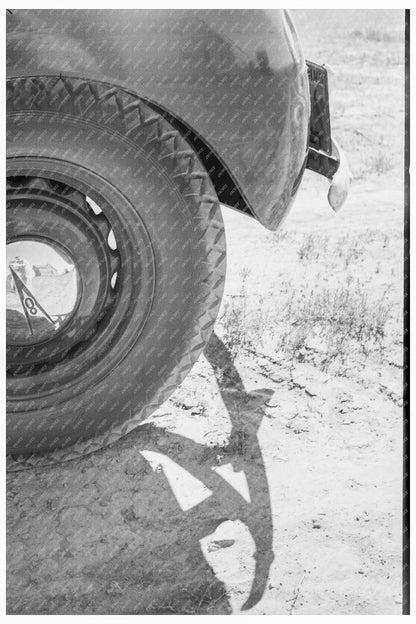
{"x":109,"y":133}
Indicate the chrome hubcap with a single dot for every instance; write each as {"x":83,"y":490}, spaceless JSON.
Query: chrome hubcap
{"x":42,"y":290}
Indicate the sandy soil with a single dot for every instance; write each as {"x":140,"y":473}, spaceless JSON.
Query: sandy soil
{"x":289,"y":449}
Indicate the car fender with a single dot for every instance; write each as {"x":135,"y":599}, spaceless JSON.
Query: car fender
{"x":233,"y":81}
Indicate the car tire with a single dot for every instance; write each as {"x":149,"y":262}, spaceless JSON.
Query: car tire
{"x":87,"y":161}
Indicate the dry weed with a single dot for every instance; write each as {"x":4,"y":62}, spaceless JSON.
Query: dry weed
{"x":328,"y":325}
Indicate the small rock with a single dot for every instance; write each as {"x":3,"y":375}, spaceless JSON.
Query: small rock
{"x":344,"y":397}
{"x":311,"y":391}
{"x":271,"y":403}
{"x":217,"y":544}
{"x":186,"y":403}
{"x":277,"y":378}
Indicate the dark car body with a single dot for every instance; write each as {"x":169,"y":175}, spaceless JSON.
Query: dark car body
{"x":234,"y":82}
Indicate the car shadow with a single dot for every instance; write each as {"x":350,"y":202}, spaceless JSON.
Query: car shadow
{"x":244,"y":453}
{"x":110,"y":525}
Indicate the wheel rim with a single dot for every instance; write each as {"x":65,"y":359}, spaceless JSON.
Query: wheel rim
{"x":61,"y":216}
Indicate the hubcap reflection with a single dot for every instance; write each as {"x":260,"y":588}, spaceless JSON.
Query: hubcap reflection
{"x":42,"y":290}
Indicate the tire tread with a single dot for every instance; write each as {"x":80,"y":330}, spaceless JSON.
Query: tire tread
{"x":125,"y":113}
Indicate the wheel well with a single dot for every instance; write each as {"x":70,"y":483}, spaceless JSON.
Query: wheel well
{"x":225,"y":186}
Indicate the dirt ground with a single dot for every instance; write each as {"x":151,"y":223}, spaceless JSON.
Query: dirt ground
{"x":271,"y":480}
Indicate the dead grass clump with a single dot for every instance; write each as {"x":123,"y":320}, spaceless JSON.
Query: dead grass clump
{"x":380,"y":164}
{"x":330,"y":325}
{"x":233,"y":321}
{"x":372,"y":34}
{"x":349,"y":249}
{"x":326,"y":326}
{"x":242,"y":329}
{"x":281,"y":235}
{"x":350,"y":312}
{"x":308,"y":249}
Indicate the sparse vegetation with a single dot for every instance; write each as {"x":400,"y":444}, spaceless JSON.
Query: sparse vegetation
{"x":242,"y":330}
{"x":380,"y":164}
{"x":307,"y":249}
{"x":317,"y":319}
{"x":281,"y":235}
{"x":324,"y":325}
{"x":349,"y":249}
{"x":372,"y":34}
{"x":333,"y":323}
{"x":234,"y":325}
